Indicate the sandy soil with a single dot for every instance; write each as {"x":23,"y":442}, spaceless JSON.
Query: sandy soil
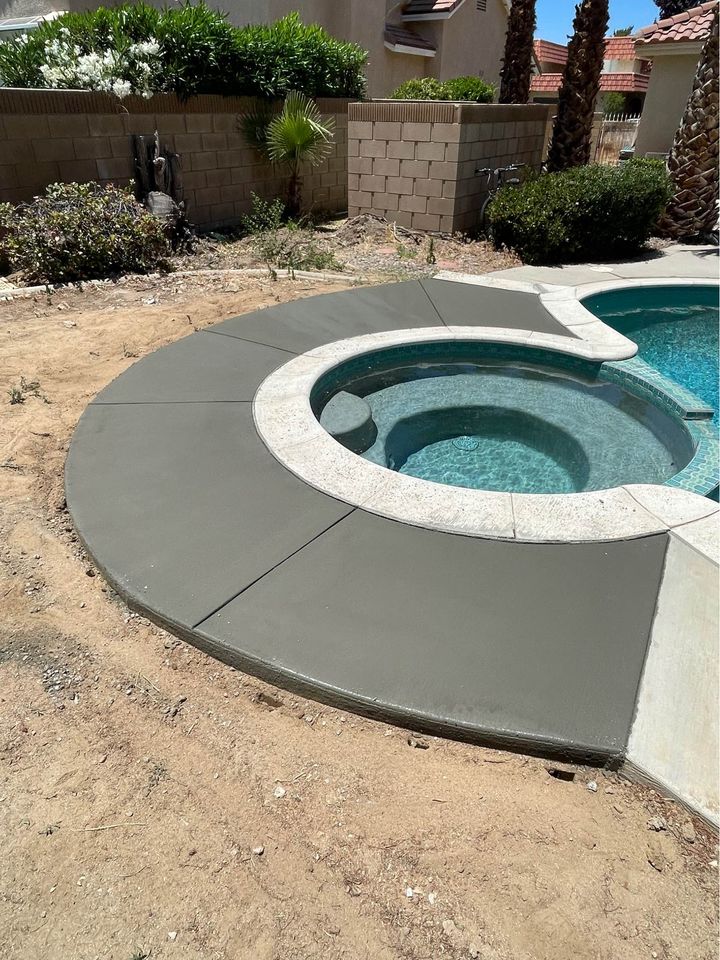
{"x":155,"y":803}
{"x":364,"y":246}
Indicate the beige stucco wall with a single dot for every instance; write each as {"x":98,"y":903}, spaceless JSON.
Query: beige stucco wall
{"x":671,"y":81}
{"x":472,"y":42}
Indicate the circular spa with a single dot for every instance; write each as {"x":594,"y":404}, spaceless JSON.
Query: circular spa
{"x":477,"y":415}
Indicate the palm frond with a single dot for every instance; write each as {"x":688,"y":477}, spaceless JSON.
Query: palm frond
{"x":299,"y":134}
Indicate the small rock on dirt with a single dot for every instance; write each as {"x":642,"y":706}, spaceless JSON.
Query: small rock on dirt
{"x":688,"y":831}
{"x":592,"y":786}
{"x":259,"y":850}
{"x":657,"y":824}
{"x":279,"y":792}
{"x":418,"y":744}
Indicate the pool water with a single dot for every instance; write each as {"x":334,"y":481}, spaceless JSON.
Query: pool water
{"x":675,"y":328}
{"x":514,"y":426}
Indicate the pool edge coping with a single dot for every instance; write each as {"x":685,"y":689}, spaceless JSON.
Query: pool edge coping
{"x":287,"y":426}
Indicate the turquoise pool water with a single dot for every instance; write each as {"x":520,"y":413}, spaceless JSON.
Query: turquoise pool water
{"x":675,"y":328}
{"x":507,"y":425}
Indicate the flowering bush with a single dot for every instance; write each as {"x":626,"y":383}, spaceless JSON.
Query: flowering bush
{"x":82,"y":231}
{"x":185,"y":50}
{"x":131,"y":70}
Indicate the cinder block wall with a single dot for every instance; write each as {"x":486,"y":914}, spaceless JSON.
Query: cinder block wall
{"x":58,"y":135}
{"x":414,"y":162}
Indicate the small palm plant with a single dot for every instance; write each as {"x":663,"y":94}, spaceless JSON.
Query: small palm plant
{"x":297,"y":135}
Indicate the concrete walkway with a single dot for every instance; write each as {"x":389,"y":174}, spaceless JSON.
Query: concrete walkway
{"x":534,"y":646}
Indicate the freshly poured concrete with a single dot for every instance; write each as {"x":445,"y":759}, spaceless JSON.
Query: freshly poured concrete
{"x":196,"y":524}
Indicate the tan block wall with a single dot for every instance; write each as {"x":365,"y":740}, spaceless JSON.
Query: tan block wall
{"x":414,"y":163}
{"x":84,"y":136}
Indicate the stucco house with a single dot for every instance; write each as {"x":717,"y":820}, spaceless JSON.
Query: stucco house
{"x":414,"y":38}
{"x":673,"y":45}
{"x":625,"y":70}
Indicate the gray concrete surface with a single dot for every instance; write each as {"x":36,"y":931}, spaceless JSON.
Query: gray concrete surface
{"x":538,"y":647}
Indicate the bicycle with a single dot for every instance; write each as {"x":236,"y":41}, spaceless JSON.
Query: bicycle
{"x":494,"y":179}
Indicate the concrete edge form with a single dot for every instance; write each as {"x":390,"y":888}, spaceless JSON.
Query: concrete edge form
{"x":675,"y":735}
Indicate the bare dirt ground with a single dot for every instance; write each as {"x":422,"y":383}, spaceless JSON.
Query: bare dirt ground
{"x":365,"y":246}
{"x":155,"y":803}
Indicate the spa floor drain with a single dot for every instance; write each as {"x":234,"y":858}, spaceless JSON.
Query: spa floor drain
{"x":466,"y":443}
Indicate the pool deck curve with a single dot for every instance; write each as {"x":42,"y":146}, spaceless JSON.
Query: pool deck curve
{"x":534,"y":646}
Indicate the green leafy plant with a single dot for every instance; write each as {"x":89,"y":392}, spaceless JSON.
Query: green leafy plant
{"x":614,"y":102}
{"x":185,"y":49}
{"x":459,"y":88}
{"x":297,"y":135}
{"x":264,"y":215}
{"x":82,"y":231}
{"x":584,"y":213}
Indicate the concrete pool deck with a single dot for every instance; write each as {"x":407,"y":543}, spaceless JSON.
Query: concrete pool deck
{"x":533,"y":646}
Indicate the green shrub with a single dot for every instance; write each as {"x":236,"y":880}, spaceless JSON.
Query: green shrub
{"x":614,"y":103}
{"x":287,"y":55}
{"x":586,"y":213}
{"x":264,"y":215}
{"x":188,"y":49}
{"x":84,"y":231}
{"x":459,"y":88}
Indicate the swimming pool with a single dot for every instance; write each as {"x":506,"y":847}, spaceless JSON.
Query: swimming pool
{"x":464,"y":415}
{"x":675,"y":329}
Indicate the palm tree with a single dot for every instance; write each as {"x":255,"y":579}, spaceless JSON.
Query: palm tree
{"x":570,"y":145}
{"x":517,"y":62}
{"x":693,"y":160}
{"x":297,"y":135}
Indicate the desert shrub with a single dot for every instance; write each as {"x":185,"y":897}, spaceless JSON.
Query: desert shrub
{"x":84,"y":231}
{"x":292,"y":247}
{"x":581,"y":214}
{"x":188,"y":49}
{"x":264,"y":215}
{"x":459,"y":88}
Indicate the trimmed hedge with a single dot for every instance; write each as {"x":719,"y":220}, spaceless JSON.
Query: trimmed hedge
{"x":587,"y":213}
{"x":82,"y":231}
{"x":187,"y":50}
{"x":474,"y":89}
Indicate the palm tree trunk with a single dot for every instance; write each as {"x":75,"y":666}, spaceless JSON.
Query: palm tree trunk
{"x":693,"y":160}
{"x":294,"y":191}
{"x":570,"y":145}
{"x":517,"y":63}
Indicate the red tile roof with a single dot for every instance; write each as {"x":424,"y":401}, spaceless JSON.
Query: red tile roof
{"x":693,"y":25}
{"x":620,"y":82}
{"x":400,"y":36}
{"x":624,"y":82}
{"x":620,"y":48}
{"x":548,"y":52}
{"x":416,"y":8}
{"x":546,"y":82}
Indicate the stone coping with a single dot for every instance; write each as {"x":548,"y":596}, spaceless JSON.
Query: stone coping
{"x":30,"y":100}
{"x":286,"y":423}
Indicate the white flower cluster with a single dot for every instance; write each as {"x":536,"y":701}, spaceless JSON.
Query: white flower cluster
{"x":132,"y":70}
